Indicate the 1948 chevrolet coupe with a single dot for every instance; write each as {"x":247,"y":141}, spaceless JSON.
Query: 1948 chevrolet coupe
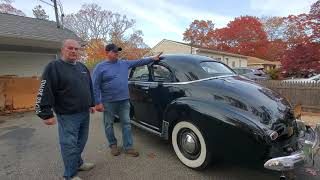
{"x":208,"y":111}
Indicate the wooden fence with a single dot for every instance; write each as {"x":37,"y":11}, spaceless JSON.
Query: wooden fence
{"x":306,"y":94}
{"x":18,"y":93}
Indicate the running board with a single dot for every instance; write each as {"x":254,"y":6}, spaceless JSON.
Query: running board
{"x":146,"y":128}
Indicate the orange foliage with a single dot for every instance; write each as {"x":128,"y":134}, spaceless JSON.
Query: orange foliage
{"x":95,"y":50}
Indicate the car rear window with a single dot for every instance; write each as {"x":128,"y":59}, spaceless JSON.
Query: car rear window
{"x":216,"y":68}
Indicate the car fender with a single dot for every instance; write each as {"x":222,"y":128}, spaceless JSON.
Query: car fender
{"x":211,"y":113}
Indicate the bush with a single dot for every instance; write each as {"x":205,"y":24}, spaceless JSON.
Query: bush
{"x":274,"y":74}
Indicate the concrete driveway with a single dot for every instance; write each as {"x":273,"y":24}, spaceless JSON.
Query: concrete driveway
{"x":29,"y":150}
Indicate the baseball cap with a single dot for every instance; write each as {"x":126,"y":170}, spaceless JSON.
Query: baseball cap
{"x":113,"y":47}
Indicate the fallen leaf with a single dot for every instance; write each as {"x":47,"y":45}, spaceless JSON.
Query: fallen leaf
{"x":151,"y":155}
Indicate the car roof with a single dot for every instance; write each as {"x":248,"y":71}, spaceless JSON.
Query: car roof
{"x":187,"y":58}
{"x":186,"y":66}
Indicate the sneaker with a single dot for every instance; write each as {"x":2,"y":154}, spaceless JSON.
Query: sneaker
{"x":132,"y":152}
{"x":86,"y":167}
{"x":115,"y":150}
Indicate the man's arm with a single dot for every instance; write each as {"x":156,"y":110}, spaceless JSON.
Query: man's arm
{"x":96,"y":81}
{"x":45,"y":97}
{"x":92,"y":104}
{"x":141,"y":62}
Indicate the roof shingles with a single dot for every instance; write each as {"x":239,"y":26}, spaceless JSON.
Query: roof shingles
{"x":31,"y":28}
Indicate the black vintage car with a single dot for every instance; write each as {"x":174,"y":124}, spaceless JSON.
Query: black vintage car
{"x":207,"y":111}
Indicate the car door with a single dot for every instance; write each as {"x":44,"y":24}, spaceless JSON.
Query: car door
{"x":149,"y":94}
{"x":160,"y":91}
{"x":139,"y":80}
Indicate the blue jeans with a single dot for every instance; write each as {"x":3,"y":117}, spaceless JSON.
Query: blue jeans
{"x":73,"y":135}
{"x":122,"y":109}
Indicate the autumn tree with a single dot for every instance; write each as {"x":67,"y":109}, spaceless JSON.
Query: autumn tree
{"x":95,"y":52}
{"x":98,"y":27}
{"x":314,"y":21}
{"x":303,"y":55}
{"x":302,"y":60}
{"x":274,"y":27}
{"x":6,"y":7}
{"x":92,"y":22}
{"x":199,"y":33}
{"x":244,"y":35}
{"x":40,"y":13}
{"x":296,"y":30}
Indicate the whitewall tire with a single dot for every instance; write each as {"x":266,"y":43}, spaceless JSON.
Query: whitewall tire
{"x":189,"y":145}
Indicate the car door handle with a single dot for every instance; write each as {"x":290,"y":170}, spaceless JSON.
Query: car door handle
{"x":144,"y":87}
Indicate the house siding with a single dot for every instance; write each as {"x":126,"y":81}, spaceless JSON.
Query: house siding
{"x":23,"y":64}
{"x":172,"y":47}
{"x":168,"y":47}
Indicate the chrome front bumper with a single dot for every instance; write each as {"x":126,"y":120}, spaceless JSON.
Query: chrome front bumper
{"x":311,"y":146}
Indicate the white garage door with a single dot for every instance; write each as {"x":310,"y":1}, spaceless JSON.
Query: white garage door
{"x":23,"y":64}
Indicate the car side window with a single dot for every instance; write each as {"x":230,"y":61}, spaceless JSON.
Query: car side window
{"x":161,"y":74}
{"x":240,"y":71}
{"x":140,"y":74}
{"x":246,"y":71}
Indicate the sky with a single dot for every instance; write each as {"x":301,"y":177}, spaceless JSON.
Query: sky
{"x":168,"y":19}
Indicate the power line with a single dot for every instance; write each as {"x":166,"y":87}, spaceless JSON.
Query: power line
{"x":55,"y":6}
{"x":46,"y":3}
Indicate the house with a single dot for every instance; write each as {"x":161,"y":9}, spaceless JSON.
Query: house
{"x":28,"y":44}
{"x":174,"y":47}
{"x":261,"y":63}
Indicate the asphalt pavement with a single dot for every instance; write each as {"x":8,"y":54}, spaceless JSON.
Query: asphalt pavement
{"x":30,"y":150}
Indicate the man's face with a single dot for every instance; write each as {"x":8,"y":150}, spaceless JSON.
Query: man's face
{"x":112,"y":55}
{"x":70,"y":50}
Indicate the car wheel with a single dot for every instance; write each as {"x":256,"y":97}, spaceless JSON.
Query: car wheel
{"x":189,"y":145}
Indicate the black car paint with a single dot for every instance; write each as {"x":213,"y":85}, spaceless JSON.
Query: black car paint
{"x":232,"y":112}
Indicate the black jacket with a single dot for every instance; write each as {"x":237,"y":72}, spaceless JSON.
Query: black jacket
{"x":65,"y":87}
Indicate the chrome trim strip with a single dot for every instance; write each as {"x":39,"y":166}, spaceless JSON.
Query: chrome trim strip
{"x":183,"y":83}
{"x":149,"y":125}
{"x":145,"y":128}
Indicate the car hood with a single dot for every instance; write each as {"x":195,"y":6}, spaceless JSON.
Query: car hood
{"x":251,"y":99}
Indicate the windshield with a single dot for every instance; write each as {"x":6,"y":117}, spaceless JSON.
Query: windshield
{"x":216,"y":68}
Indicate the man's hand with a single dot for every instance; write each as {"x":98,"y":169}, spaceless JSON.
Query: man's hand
{"x":51,"y":121}
{"x":92,"y":110}
{"x":157,"y":58}
{"x":99,"y":107}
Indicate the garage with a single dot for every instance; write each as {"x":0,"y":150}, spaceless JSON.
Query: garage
{"x":24,"y":52}
{"x":23,"y":64}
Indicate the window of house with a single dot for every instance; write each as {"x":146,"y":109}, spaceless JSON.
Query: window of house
{"x":227,"y":61}
{"x":233,"y":64}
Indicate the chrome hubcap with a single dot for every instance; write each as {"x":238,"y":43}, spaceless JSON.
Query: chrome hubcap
{"x":189,"y":144}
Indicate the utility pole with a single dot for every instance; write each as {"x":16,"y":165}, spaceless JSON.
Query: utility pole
{"x":56,"y":12}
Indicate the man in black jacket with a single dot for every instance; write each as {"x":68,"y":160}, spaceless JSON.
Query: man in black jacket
{"x":66,"y":88}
